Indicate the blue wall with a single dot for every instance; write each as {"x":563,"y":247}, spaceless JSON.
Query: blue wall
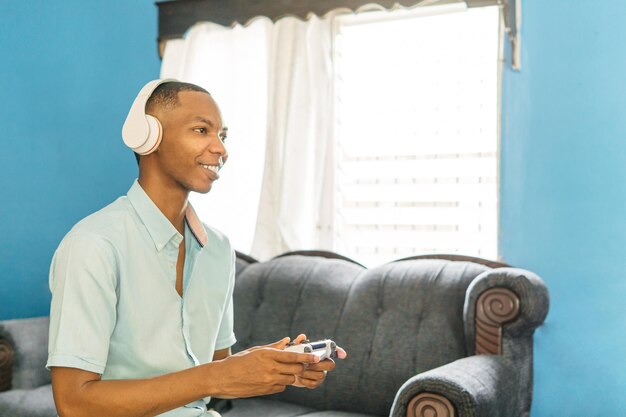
{"x":69,"y":71}
{"x":563,"y":198}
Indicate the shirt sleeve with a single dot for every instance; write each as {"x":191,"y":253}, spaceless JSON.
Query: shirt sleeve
{"x":225,"y":335}
{"x":83,"y":282}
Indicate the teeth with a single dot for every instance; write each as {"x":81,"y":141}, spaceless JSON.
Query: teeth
{"x":213,"y":168}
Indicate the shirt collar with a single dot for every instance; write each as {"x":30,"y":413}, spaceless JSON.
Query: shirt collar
{"x":159,"y":227}
{"x":195,"y":225}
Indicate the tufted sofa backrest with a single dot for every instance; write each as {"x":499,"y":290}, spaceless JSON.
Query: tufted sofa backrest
{"x":394,"y":321}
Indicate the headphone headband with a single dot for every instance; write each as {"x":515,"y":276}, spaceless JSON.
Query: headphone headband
{"x":141,"y":132}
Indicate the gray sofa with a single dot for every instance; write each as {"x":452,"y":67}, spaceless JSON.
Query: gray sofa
{"x":427,"y":336}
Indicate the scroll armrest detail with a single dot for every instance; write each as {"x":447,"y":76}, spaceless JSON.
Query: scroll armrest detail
{"x":494,"y":308}
{"x":428,"y":404}
{"x":484,"y":385}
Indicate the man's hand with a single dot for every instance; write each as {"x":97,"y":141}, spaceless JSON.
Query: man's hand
{"x":314,"y":374}
{"x":260,"y":370}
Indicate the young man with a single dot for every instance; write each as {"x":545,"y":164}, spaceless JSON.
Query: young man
{"x":141,"y":320}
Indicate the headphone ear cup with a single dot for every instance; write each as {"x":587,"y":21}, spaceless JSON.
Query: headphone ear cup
{"x":154,"y":136}
{"x":141,"y":132}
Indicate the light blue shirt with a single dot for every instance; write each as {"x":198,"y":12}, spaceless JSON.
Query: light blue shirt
{"x":115,"y":309}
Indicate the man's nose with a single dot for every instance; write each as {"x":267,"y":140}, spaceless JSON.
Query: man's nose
{"x":219,"y":148}
{"x":223,"y":158}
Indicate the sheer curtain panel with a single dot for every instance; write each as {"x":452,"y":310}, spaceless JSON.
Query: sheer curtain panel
{"x":270,"y":197}
{"x":294,"y":208}
{"x":232,"y":64}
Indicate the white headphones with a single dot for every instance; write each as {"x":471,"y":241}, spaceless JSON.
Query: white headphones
{"x":141,"y":132}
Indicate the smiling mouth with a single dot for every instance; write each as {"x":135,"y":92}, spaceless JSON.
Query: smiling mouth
{"x":214,"y":168}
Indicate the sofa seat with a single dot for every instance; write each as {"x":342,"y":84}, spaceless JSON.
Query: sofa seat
{"x":255,"y":407}
{"x":38,"y":402}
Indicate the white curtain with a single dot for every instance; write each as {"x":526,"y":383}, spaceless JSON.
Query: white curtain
{"x":294,"y":211}
{"x":273,"y":82}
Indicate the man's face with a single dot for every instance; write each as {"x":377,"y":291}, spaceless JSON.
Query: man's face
{"x":190,"y":151}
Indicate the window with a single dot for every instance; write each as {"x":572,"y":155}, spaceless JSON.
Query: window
{"x":416,"y":159}
{"x":415,"y":131}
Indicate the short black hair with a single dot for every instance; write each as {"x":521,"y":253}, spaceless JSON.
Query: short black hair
{"x":165,"y":96}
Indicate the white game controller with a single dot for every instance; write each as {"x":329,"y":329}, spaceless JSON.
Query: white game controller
{"x":323,"y":348}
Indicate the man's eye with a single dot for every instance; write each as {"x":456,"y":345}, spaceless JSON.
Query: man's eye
{"x":223,"y":138}
{"x":200,"y":130}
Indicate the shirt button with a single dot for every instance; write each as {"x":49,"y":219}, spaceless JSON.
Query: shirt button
{"x":172,"y":264}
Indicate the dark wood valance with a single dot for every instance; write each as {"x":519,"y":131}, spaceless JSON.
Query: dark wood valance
{"x":176,"y":16}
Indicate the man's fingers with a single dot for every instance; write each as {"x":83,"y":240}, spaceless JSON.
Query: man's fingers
{"x":286,"y":379}
{"x":341,"y":354}
{"x":281,"y":344}
{"x":325,"y":365}
{"x":311,"y":382}
{"x":294,"y":357}
{"x":291,"y":369}
{"x":313,"y":375}
{"x":299,"y":339}
{"x":276,"y":388}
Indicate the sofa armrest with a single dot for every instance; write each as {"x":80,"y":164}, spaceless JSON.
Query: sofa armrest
{"x":504,"y":296}
{"x":475,"y":386}
{"x":7,"y":354}
{"x":24,"y":353}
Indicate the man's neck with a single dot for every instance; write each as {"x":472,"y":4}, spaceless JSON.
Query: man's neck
{"x":168,"y":197}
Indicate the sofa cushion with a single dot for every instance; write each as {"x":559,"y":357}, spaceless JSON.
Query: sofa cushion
{"x":37,"y":402}
{"x":394,"y":321}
